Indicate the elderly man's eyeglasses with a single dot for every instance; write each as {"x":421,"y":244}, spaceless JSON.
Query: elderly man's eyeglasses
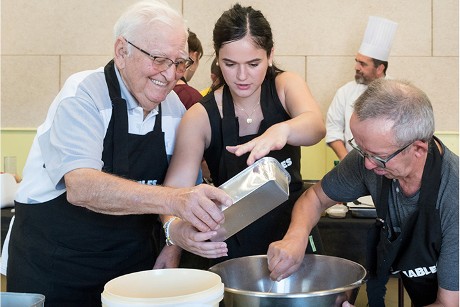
{"x":163,"y":63}
{"x":374,"y":159}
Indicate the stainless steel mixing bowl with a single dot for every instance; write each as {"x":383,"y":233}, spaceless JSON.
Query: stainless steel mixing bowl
{"x":320,"y":281}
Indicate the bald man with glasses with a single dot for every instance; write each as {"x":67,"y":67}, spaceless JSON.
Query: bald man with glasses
{"x":413,"y":180}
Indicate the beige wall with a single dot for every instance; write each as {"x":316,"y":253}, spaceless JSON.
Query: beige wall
{"x":43,"y":42}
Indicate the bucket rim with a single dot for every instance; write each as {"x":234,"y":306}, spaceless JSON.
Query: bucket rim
{"x":211,"y":293}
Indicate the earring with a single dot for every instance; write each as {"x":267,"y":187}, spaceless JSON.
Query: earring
{"x":217,"y":63}
{"x":270,"y":65}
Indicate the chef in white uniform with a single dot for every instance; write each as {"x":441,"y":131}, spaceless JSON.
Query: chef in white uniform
{"x":371,"y":63}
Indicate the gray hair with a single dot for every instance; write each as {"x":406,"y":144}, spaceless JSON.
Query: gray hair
{"x":145,"y":14}
{"x":402,"y":103}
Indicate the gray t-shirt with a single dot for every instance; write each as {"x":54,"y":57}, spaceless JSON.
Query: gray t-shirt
{"x":351,"y":180}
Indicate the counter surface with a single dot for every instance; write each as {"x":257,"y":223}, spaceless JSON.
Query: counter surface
{"x":345,"y":237}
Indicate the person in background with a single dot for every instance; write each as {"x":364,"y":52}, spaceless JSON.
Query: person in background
{"x":412,"y":178}
{"x":187,"y":94}
{"x":214,"y":77}
{"x":91,"y":190}
{"x":255,"y":110}
{"x":371,"y":63}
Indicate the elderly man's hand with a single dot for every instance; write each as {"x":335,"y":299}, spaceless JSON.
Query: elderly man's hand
{"x":201,"y":206}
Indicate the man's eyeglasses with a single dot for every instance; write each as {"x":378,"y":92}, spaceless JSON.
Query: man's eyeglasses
{"x":163,"y":63}
{"x":374,"y":159}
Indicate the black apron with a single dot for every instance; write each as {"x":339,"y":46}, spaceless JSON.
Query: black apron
{"x":256,"y":237}
{"x":413,"y":252}
{"x":67,"y":252}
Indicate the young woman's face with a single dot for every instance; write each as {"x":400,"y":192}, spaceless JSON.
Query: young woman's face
{"x":243,"y":66}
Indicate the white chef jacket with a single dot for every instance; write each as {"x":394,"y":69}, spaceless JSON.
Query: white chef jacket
{"x":339,"y":113}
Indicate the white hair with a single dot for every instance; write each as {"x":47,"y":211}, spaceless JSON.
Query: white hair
{"x":146,"y":14}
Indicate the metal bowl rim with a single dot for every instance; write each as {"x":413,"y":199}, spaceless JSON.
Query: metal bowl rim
{"x":352,"y":286}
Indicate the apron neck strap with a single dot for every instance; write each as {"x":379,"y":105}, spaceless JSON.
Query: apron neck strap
{"x":431,"y":180}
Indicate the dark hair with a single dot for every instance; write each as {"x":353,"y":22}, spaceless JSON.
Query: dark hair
{"x":214,"y":68}
{"x":378,"y":62}
{"x":194,"y":43}
{"x":235,"y":24}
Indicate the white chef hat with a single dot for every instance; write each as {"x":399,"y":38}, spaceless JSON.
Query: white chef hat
{"x":378,"y":38}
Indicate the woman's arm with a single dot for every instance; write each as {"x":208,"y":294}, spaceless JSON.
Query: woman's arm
{"x":193,"y":137}
{"x":307,"y":125}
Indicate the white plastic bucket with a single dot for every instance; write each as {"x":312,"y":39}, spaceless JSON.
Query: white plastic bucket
{"x":166,"y":287}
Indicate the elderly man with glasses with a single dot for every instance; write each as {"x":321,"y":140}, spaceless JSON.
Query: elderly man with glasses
{"x":413,"y":180}
{"x":91,"y":194}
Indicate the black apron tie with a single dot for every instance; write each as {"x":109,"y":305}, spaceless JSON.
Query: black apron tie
{"x":118,"y":127}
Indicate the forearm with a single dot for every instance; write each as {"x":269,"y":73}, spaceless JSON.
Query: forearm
{"x":285,"y":256}
{"x":446,"y":298}
{"x":339,"y":148}
{"x":109,"y":194}
{"x":306,"y":129}
{"x":306,"y":213}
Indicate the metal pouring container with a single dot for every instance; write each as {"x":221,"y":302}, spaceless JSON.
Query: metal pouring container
{"x":320,"y":281}
{"x":255,"y":191}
